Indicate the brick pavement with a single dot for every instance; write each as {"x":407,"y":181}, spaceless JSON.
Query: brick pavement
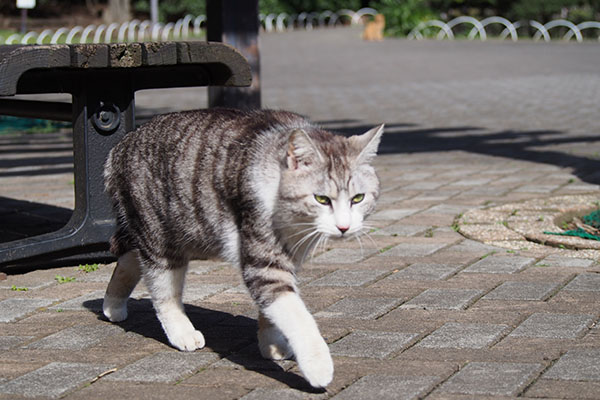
{"x":418,"y":310}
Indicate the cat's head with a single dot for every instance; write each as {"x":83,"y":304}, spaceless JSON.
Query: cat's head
{"x":328,"y":182}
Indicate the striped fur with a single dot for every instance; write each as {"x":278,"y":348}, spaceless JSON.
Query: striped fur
{"x":235,"y":184}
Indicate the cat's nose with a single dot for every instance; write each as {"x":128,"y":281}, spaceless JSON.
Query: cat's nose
{"x":343,"y":229}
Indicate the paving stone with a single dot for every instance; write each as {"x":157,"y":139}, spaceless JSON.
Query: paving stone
{"x":500,"y":265}
{"x":53,"y":380}
{"x":198,"y":292}
{"x":400,"y":230}
{"x":413,"y":249}
{"x":202,"y":267}
{"x":103,"y":274}
{"x":281,"y":394}
{"x":553,"y":326}
{"x":250,"y":358}
{"x":443,"y":299}
{"x":471,"y":182}
{"x":463,"y":336}
{"x":13,"y":309}
{"x":348,"y":278}
{"x":490,"y":378}
{"x":370,"y":344}
{"x":91,"y":301}
{"x":426,"y":272}
{"x":577,"y":365}
{"x":386,"y":387}
{"x":342,"y":256}
{"x":521,"y":291}
{"x":359,"y":308}
{"x":537,"y":188}
{"x":8,"y":342}
{"x":423,"y":185}
{"x":448,"y":209}
{"x":77,"y":337}
{"x":393,"y":214}
{"x":472,"y":246}
{"x":585,"y":283}
{"x":169,"y":366}
{"x":554,"y":261}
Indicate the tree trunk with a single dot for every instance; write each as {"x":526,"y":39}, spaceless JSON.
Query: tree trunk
{"x":118,"y":11}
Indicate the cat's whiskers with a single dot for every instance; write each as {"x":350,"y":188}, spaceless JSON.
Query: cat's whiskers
{"x":301,"y":232}
{"x":323,"y":244}
{"x":362,"y":252}
{"x":322,"y":237}
{"x":310,"y":245}
{"x":366,"y":232}
{"x":296,"y":247}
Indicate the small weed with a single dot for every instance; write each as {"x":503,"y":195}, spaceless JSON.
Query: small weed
{"x":571,"y":180}
{"x":394,"y":235}
{"x":541,"y":218}
{"x":18,"y":289}
{"x":511,"y":251}
{"x":455,"y":227}
{"x":429,"y":233}
{"x":88,"y":268}
{"x":64,"y":279}
{"x":505,"y":223}
{"x":491,"y":253}
{"x":542,"y":265}
{"x":386,"y":248}
{"x":561,"y":246}
{"x":373,"y":230}
{"x":59,"y":310}
{"x":514,"y":212}
{"x":565,"y":226}
{"x":487,"y":202}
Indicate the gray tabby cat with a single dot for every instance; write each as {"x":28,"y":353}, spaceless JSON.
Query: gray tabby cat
{"x":260,"y":189}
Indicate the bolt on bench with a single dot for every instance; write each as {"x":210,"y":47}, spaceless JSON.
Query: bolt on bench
{"x":102,"y":79}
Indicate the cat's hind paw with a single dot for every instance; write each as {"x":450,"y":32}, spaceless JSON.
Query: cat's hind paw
{"x":187,"y":341}
{"x":115,"y":309}
{"x":273,"y":346}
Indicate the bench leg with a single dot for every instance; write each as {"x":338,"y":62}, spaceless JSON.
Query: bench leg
{"x":101,"y":117}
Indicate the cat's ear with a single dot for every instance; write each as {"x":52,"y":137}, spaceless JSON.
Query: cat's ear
{"x":367,"y":143}
{"x":301,"y":150}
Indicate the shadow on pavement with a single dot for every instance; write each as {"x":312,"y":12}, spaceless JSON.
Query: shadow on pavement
{"x":232,"y":337}
{"x":536,"y":145}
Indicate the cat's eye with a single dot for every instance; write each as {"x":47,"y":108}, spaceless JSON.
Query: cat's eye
{"x":323,"y":199}
{"x":358,"y":198}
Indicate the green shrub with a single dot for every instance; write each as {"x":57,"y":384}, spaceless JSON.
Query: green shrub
{"x":401,"y":16}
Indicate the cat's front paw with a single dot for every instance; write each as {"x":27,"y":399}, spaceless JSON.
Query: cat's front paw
{"x":115,"y":309}
{"x":273,"y":345}
{"x":186,"y":341}
{"x":316,"y":364}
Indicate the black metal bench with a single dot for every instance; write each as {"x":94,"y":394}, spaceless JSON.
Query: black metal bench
{"x":102,"y":79}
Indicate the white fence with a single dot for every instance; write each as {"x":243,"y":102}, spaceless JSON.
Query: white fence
{"x":139,"y":31}
{"x":510,"y":28}
{"x":191,"y":26}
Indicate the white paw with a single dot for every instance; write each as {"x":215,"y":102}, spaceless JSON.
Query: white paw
{"x":115,"y":309}
{"x":272,"y":345}
{"x":186,"y":340}
{"x":316,"y":364}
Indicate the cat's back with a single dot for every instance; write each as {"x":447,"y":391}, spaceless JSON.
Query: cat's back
{"x":179,"y":145}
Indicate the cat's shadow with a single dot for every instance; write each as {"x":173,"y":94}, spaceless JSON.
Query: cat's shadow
{"x":232,"y":337}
